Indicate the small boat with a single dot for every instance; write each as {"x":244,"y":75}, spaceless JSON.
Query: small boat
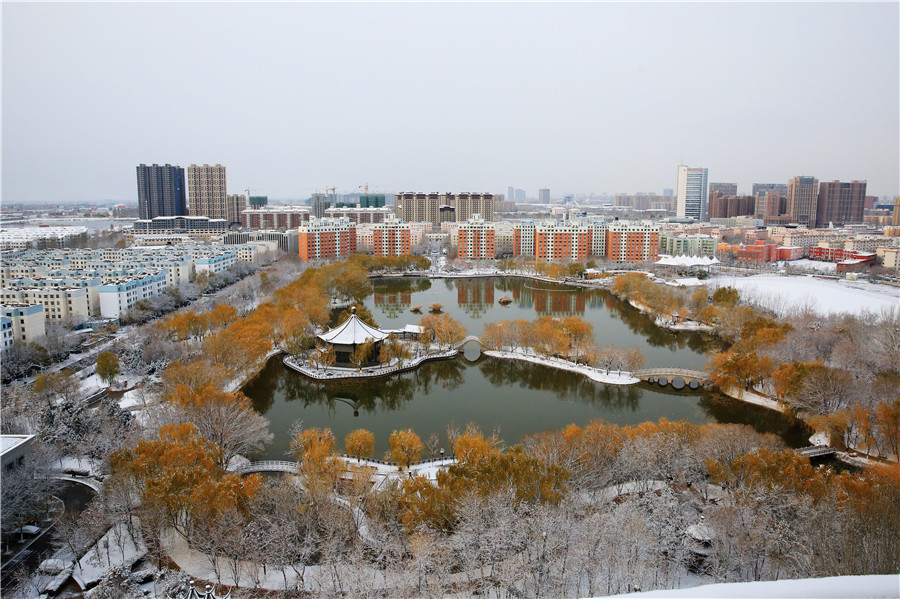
{"x":505,"y":300}
{"x":416,"y":309}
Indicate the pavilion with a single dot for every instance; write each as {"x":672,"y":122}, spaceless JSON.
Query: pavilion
{"x":347,"y":336}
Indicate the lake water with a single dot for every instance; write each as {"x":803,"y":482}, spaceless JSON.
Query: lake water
{"x":511,"y":397}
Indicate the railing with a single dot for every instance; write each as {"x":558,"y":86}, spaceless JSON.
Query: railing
{"x":817,"y":451}
{"x":293,"y":467}
{"x":682,"y":372}
{"x":269,"y":466}
{"x":334,"y":373}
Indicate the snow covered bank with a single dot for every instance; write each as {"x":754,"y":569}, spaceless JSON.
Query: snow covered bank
{"x":785,"y":295}
{"x":838,"y":587}
{"x":333,"y":373}
{"x":599,"y":376}
{"x":748,"y":396}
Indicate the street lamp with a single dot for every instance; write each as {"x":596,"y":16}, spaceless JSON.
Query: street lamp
{"x":442,"y":453}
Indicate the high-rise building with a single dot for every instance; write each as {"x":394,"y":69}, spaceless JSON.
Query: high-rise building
{"x":476,"y":239}
{"x":206,"y":191}
{"x":543,"y":196}
{"x":668,"y":192}
{"x":895,"y":217}
{"x":469,"y":204}
{"x":511,"y":193}
{"x":802,"y":200}
{"x":326,"y":238}
{"x":632,"y":241}
{"x":274,"y":217}
{"x":319,"y":202}
{"x":768,"y":204}
{"x":840,"y":203}
{"x":520,"y":195}
{"x":161,"y":191}
{"x":258,"y":201}
{"x":371,"y":200}
{"x":437,"y":208}
{"x":727,"y":189}
{"x":391,"y":237}
{"x":691,"y":192}
{"x":779,"y":187}
{"x":722,"y":206}
{"x":566,"y":240}
{"x":234,"y":205}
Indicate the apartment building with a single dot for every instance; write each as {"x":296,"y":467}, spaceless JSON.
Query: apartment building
{"x":632,"y":241}
{"x":840,"y":203}
{"x":360,"y":215}
{"x":27,"y":321}
{"x":437,"y":208}
{"x":118,"y":297}
{"x":326,"y":239}
{"x":562,"y":240}
{"x":6,"y":334}
{"x":235,"y":204}
{"x":61,"y":304}
{"x":207,"y":191}
{"x":90,"y":285}
{"x":391,"y":237}
{"x":681,"y":244}
{"x":274,"y":217}
{"x":476,"y":239}
{"x":802,"y":200}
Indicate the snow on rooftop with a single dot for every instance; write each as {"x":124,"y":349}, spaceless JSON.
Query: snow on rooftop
{"x":687,"y":260}
{"x":352,"y":331}
{"x":9,"y":442}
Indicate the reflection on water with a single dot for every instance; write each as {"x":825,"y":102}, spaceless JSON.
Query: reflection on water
{"x":475,"y":302}
{"x":515,"y":398}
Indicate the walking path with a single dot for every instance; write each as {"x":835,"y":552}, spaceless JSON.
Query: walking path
{"x":616,"y":377}
{"x":334,"y":373}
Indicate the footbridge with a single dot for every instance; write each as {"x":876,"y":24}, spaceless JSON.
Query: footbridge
{"x":460,"y":344}
{"x":817,"y":451}
{"x":677,"y":377}
{"x":269,"y":466}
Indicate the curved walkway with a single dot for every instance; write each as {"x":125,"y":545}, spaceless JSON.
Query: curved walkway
{"x":616,"y":377}
{"x":332,"y":374}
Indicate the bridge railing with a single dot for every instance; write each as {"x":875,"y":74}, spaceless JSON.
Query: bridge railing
{"x":682,"y":372}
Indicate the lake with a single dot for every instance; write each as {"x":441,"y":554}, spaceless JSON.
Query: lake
{"x":510,"y":397}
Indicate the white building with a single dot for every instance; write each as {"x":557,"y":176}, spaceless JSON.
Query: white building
{"x":61,"y":304}
{"x":6,"y":328}
{"x":27,"y":321}
{"x":365,"y":238}
{"x":118,"y":297}
{"x":687,"y":245}
{"x":691,"y":192}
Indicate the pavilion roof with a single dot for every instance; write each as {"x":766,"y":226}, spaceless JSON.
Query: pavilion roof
{"x":353,"y":332}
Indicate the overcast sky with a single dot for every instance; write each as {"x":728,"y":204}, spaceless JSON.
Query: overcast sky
{"x":580,"y":98}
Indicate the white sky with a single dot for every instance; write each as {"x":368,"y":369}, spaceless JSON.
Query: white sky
{"x":291,"y":97}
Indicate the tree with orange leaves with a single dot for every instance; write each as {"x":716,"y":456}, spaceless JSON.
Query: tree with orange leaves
{"x":313,"y":449}
{"x":227,"y":420}
{"x":471,"y":446}
{"x":360,"y":443}
{"x":222,"y":316}
{"x":406,"y":447}
{"x":179,"y":477}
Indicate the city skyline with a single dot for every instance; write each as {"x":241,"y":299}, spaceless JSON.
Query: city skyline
{"x":616,"y":110}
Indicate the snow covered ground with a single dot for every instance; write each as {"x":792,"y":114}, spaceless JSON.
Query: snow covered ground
{"x":874,"y":586}
{"x":785,"y":295}
{"x":595,"y":374}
